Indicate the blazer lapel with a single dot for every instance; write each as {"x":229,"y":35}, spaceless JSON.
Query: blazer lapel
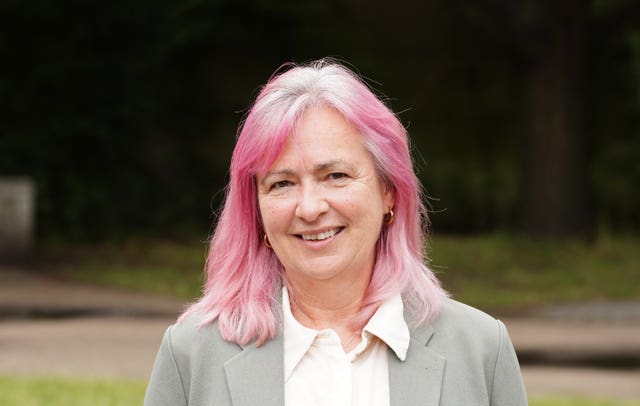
{"x":418,"y":379}
{"x":256,"y":375}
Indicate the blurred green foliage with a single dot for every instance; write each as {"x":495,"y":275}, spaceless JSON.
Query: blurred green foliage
{"x":125,"y":112}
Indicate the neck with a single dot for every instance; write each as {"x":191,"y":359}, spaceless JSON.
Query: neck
{"x":325,"y":304}
{"x":320,"y":312}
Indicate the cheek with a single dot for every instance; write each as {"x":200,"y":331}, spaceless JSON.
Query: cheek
{"x":275,"y":214}
{"x":365,"y":210}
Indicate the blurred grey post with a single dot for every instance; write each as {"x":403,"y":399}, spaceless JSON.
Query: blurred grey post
{"x":17,"y":204}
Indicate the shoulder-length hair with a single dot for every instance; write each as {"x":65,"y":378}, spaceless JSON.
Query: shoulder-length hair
{"x":244,"y":277}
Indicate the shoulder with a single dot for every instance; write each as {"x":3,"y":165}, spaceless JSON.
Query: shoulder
{"x":462,"y":330}
{"x":190,"y":365}
{"x":191,"y":340}
{"x":477,"y":348}
{"x":459,"y":317}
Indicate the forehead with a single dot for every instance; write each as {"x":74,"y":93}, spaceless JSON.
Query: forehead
{"x":323,"y":135}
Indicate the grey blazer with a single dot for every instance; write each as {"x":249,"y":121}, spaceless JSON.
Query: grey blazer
{"x":462,"y":358}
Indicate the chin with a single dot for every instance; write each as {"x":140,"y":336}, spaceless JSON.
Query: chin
{"x":319,"y":271}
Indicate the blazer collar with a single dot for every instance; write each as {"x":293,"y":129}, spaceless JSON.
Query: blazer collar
{"x":418,"y":379}
{"x":255,"y":376}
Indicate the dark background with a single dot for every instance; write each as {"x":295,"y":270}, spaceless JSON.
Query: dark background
{"x":524,"y":115}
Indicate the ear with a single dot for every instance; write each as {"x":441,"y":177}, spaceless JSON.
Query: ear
{"x":388,"y":198}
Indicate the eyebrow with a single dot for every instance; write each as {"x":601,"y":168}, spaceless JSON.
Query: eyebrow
{"x":279,"y":172}
{"x":320,"y":167}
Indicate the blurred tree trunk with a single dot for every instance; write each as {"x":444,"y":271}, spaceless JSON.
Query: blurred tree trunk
{"x":554,"y":182}
{"x":547,"y":39}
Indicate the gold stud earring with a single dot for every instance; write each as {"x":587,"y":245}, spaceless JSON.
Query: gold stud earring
{"x":391,"y":217}
{"x":265,"y":241}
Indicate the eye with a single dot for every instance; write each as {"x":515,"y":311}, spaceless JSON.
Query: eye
{"x":337,"y":175}
{"x":280,"y":184}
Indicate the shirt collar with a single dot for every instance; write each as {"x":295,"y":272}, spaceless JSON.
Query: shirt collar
{"x":387,"y":323}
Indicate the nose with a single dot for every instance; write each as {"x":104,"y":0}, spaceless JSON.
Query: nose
{"x":311,"y":204}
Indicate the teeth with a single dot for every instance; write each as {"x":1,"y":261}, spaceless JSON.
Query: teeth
{"x":321,"y":236}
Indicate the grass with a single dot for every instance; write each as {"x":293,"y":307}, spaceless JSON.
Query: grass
{"x":498,"y":272}
{"x":54,"y":391}
{"x":162,"y":267}
{"x":493,"y":272}
{"x":581,"y":402}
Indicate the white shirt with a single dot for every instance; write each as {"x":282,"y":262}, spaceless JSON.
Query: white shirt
{"x":317,"y":371}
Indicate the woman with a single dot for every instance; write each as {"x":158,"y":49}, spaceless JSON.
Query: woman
{"x":317,"y":291}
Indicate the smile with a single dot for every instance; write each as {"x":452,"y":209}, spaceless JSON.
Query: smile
{"x":321,"y":236}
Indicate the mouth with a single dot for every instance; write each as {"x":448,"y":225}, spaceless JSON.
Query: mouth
{"x":320,"y":236}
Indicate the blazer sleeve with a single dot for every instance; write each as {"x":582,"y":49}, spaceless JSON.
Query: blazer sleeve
{"x":165,"y":385}
{"x":507,"y":386}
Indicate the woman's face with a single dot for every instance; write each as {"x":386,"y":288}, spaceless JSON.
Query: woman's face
{"x":322,"y":203}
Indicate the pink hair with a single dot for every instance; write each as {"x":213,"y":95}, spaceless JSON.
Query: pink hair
{"x":243,"y":277}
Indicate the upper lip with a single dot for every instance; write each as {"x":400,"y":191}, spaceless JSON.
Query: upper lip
{"x":318,"y":231}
